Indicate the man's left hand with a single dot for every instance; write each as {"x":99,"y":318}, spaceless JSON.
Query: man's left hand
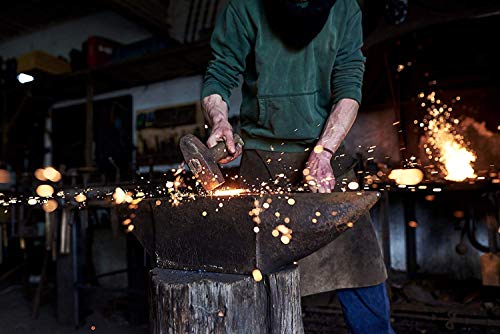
{"x":318,"y":173}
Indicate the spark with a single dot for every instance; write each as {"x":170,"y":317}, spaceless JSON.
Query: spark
{"x":285,"y":239}
{"x":80,"y":198}
{"x":413,"y":224}
{"x":257,"y":275}
{"x":353,"y":185}
{"x":318,"y":149}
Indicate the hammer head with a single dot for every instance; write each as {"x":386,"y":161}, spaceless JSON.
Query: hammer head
{"x":202,"y":162}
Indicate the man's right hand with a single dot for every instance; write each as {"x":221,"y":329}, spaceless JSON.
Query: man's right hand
{"x":216,"y":112}
{"x":223,"y":131}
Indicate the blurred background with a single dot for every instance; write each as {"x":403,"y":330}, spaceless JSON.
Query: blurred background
{"x":96,"y":94}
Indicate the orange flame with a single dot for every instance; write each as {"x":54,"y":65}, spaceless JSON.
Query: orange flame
{"x":455,"y":157}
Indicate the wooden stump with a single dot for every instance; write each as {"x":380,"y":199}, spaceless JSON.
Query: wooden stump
{"x":198,"y":303}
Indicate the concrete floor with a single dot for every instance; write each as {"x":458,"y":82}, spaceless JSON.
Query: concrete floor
{"x":321,"y":316}
{"x":15,"y":318}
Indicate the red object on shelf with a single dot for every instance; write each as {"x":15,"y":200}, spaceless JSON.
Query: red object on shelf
{"x":99,"y":50}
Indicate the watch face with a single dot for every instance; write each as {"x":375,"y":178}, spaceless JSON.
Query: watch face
{"x":396,"y":11}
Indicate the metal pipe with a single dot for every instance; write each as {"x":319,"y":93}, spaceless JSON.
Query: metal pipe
{"x":196,"y":20}
{"x":410,"y":236}
{"x":471,"y":233}
{"x":188,"y":22}
{"x":89,"y":125}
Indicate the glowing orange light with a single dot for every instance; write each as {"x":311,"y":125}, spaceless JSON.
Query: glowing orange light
{"x":430,"y":198}
{"x":50,"y":173}
{"x":285,"y":239}
{"x":44,"y":190}
{"x":407,"y":177}
{"x":119,"y":195}
{"x":80,"y":198}
{"x":413,"y":224}
{"x":39,"y":175}
{"x":229,"y":192}
{"x":50,"y":206}
{"x":318,"y":149}
{"x":257,"y":275}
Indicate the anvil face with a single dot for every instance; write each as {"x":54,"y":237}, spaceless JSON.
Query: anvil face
{"x":205,"y":235}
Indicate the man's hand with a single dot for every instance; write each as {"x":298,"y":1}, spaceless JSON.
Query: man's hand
{"x":216,"y":113}
{"x":223,"y":131}
{"x":318,"y":173}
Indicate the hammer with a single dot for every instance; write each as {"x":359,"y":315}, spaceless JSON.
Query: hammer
{"x":203,"y":161}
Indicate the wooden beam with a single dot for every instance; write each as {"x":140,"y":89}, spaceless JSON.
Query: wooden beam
{"x":421,"y":18}
{"x":152,"y":14}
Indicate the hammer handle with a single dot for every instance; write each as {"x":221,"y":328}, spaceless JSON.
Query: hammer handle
{"x":220,"y":151}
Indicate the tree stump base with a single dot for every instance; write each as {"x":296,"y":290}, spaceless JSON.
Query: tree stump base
{"x":184,"y":302}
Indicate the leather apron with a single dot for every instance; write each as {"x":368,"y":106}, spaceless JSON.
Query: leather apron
{"x":354,"y":259}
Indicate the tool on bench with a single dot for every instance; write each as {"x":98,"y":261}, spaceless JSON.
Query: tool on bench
{"x":203,"y":160}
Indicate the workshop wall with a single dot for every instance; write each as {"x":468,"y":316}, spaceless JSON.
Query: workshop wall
{"x":59,"y":39}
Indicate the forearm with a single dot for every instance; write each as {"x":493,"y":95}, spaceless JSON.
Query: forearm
{"x":215,"y":110}
{"x":339,"y":124}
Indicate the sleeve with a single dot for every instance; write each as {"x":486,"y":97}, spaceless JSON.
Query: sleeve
{"x":231,"y":44}
{"x":349,"y":67}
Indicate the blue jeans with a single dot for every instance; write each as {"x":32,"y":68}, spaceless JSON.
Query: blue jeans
{"x":366,"y":310}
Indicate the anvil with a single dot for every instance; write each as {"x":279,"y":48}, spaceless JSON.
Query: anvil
{"x":218,"y":234}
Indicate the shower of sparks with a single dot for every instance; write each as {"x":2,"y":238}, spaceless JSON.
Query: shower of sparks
{"x":444,"y":144}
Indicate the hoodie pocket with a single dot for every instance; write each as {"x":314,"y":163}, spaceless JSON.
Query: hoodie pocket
{"x":294,"y":117}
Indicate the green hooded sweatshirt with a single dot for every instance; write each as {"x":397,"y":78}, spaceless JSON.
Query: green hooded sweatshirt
{"x":288,"y":94}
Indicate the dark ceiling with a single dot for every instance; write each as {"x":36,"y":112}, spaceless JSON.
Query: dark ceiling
{"x":24,"y":16}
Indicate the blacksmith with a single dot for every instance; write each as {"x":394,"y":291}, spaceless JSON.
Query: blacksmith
{"x":303,"y":70}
